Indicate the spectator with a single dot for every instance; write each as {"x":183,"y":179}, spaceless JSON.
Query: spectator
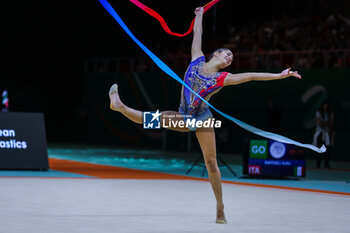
{"x":324,"y":134}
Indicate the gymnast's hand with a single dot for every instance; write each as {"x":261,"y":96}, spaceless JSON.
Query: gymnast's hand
{"x":287,"y":72}
{"x":199,"y":11}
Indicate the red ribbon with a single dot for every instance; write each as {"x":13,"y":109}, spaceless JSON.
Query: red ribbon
{"x":162,"y":21}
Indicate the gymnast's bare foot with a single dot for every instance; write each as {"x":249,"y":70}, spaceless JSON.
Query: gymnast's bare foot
{"x":220,"y":215}
{"x":116,"y":103}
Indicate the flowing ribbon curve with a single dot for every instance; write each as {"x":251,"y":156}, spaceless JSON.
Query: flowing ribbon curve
{"x":162,"y":21}
{"x":171,"y":73}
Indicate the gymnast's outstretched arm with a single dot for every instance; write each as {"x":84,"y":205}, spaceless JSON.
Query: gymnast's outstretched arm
{"x":196,"y":50}
{"x":234,"y":79}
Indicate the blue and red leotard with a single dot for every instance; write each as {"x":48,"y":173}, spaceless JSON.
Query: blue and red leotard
{"x":202,"y":83}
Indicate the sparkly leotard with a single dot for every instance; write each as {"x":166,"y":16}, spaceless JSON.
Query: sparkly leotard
{"x":202,"y":83}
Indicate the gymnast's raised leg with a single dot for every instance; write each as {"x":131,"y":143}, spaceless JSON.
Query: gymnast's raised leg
{"x":135,"y":115}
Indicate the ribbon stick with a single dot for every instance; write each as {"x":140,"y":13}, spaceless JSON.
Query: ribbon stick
{"x":162,"y":21}
{"x":171,"y":73}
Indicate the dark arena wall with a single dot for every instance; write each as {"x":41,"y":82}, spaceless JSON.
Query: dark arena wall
{"x":296,"y":101}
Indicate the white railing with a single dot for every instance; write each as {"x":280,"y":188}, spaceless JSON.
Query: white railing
{"x":242,"y":60}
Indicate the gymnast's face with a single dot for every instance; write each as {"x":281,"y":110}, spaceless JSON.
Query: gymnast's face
{"x":225,"y":57}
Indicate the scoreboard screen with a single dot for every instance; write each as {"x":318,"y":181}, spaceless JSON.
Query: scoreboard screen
{"x":273,"y":159}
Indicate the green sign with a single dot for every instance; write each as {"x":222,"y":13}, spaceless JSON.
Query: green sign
{"x":258,"y":149}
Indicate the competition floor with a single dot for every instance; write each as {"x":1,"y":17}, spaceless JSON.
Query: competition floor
{"x":119,"y":190}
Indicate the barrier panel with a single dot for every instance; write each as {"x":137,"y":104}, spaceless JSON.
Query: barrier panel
{"x":23,"y":141}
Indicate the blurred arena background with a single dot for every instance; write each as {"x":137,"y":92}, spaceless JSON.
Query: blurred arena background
{"x":60,"y":58}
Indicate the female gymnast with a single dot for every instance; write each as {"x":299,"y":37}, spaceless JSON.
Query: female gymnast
{"x":206,"y":80}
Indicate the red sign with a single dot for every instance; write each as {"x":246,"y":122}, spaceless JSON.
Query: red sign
{"x":254,"y":170}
